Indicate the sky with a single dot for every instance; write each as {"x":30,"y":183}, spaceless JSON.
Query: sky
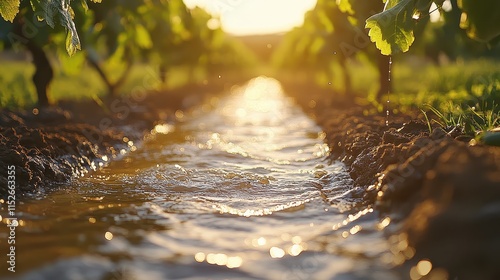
{"x":250,"y":17}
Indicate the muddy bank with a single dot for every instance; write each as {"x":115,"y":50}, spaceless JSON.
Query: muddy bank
{"x":45,"y":155}
{"x":438,"y":196}
{"x":49,"y":146}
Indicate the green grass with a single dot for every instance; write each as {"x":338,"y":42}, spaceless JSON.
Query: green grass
{"x":465,"y":95}
{"x":470,"y":120}
{"x":466,"y":83}
{"x":17,"y":89}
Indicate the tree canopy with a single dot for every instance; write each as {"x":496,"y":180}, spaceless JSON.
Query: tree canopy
{"x":117,"y":32}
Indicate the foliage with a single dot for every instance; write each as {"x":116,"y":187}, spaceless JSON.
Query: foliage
{"x":9,"y":9}
{"x":331,"y":40}
{"x":470,"y":120}
{"x":15,"y":88}
{"x":392,"y":30}
{"x":332,"y":34}
{"x":464,"y":95}
{"x":164,"y":33}
{"x":114,"y":35}
{"x":418,"y":82}
{"x":51,"y":12}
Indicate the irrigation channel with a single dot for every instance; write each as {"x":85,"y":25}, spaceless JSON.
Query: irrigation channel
{"x":240,"y":188}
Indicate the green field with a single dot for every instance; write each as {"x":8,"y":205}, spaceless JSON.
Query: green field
{"x":459,"y":91}
{"x":17,"y":89}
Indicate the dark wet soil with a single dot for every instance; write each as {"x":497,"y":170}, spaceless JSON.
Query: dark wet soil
{"x":442,"y":195}
{"x":50,"y":146}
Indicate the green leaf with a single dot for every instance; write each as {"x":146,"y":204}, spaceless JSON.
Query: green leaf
{"x":72,"y":43}
{"x":317,"y":44}
{"x":345,"y":6}
{"x":9,"y":9}
{"x":480,"y":19}
{"x":392,"y":29}
{"x":325,"y":21}
{"x":60,"y":10}
{"x":142,"y":38}
{"x":84,"y":5}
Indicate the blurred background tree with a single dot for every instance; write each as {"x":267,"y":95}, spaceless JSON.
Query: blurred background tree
{"x":27,"y":24}
{"x":115,"y":35}
{"x":330,"y":36}
{"x":333,"y":37}
{"x":332,"y":48}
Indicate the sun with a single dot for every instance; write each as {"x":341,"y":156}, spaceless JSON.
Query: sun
{"x":251,"y":17}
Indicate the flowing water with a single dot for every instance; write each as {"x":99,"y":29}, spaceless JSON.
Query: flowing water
{"x":240,"y":188}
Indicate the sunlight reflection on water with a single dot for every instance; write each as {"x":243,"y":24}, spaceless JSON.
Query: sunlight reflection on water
{"x":242,"y":190}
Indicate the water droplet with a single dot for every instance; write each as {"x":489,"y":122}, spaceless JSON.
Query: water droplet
{"x":355,"y":229}
{"x":330,"y":83}
{"x":388,"y":94}
{"x":220,"y":76}
{"x":199,"y":257}
{"x":384,"y":223}
{"x":179,"y":114}
{"x":335,"y":53}
{"x":295,"y":250}
{"x":234,"y":262}
{"x":424,"y":267}
{"x":296,"y":239}
{"x":261,"y":241}
{"x":108,"y":235}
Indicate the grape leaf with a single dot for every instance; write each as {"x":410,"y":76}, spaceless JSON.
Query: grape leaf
{"x":9,"y":9}
{"x":53,"y":11}
{"x":392,"y":29}
{"x":59,"y":10}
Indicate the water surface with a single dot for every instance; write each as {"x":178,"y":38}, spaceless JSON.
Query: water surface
{"x":240,"y":188}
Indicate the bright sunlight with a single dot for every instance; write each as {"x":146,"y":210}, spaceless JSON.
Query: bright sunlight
{"x":250,"y":17}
